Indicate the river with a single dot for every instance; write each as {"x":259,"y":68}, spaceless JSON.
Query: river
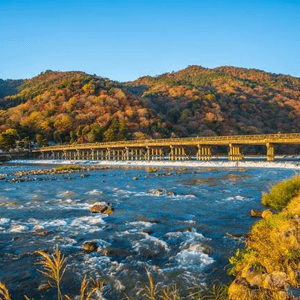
{"x":181,"y":234}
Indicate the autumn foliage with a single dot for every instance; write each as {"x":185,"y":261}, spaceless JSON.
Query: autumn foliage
{"x":68,"y":107}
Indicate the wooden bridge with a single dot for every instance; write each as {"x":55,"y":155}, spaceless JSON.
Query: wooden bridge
{"x":172,"y":149}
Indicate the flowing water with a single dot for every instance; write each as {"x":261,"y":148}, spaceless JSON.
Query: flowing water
{"x":182,"y":234}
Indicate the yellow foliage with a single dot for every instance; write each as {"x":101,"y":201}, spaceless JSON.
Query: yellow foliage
{"x":238,"y":292}
{"x":210,"y":97}
{"x":273,"y":251}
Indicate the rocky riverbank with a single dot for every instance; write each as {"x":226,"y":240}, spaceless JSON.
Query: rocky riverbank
{"x":268,"y":268}
{"x":33,"y":175}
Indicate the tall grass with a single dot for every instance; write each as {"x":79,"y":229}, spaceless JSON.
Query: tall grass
{"x":54,"y":268}
{"x":281,"y":194}
{"x":4,"y":294}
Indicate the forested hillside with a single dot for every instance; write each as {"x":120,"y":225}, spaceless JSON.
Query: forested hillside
{"x":68,"y":107}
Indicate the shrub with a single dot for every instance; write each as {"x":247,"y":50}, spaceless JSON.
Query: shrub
{"x":282,"y":193}
{"x":68,"y":168}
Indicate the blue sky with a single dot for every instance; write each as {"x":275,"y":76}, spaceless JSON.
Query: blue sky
{"x":123,"y":40}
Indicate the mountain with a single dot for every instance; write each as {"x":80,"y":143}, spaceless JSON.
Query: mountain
{"x":8,"y":87}
{"x":77,"y":107}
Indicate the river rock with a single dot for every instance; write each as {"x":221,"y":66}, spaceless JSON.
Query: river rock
{"x":276,"y":279}
{"x":102,"y":208}
{"x":90,"y":246}
{"x":252,"y":276}
{"x":170,"y":193}
{"x":256,"y":213}
{"x":157,"y":192}
{"x":41,"y":232}
{"x":279,"y":279}
{"x":43,"y":287}
{"x":291,"y":231}
{"x":108,"y":211}
{"x":114,"y":252}
{"x":238,"y":290}
{"x":236,"y":236}
{"x":266,"y":214}
{"x":97,"y":208}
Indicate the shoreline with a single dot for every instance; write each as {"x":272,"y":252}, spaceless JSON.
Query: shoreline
{"x":191,"y":164}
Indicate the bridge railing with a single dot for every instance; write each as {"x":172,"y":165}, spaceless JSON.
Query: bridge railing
{"x":277,"y":136}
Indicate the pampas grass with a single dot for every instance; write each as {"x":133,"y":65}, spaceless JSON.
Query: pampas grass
{"x":4,"y":294}
{"x":54,"y":268}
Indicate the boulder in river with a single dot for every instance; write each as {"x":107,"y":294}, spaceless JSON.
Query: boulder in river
{"x":41,"y":232}
{"x":102,"y":208}
{"x":170,"y":193}
{"x":256,"y":213}
{"x":90,"y":246}
{"x":157,"y":192}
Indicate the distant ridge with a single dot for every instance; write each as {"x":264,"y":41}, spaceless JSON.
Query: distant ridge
{"x":196,"y":101}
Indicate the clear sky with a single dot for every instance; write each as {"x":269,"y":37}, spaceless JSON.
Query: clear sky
{"x":123,"y":40}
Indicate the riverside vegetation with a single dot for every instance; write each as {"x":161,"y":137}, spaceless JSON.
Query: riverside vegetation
{"x":267,"y":269}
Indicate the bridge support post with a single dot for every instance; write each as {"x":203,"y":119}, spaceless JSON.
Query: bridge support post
{"x":126,"y":154}
{"x":204,"y":153}
{"x":234,"y":153}
{"x":270,"y":152}
{"x":147,"y":154}
{"x":161,"y":153}
{"x":171,"y":155}
{"x":107,"y":154}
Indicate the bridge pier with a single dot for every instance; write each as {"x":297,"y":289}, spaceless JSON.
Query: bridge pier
{"x":154,"y":153}
{"x":234,"y":153}
{"x":270,"y":152}
{"x":203,"y":153}
{"x":177,"y":153}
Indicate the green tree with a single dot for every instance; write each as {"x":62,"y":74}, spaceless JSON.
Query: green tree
{"x":72,"y":137}
{"x":57,"y":137}
{"x":109,"y":135}
{"x":7,"y":141}
{"x":40,"y":140}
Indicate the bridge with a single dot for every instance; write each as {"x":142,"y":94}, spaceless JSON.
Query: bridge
{"x":172,"y":149}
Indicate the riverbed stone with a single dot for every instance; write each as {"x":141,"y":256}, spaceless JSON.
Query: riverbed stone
{"x":114,"y":252}
{"x":43,"y":287}
{"x":157,"y":192}
{"x":102,"y":208}
{"x":90,"y":246}
{"x":170,"y":193}
{"x":266,"y":214}
{"x":108,"y":211}
{"x":41,"y":232}
{"x":256,"y":213}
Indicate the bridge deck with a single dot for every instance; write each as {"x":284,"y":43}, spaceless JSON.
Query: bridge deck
{"x":175,"y":148}
{"x":291,"y":138}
